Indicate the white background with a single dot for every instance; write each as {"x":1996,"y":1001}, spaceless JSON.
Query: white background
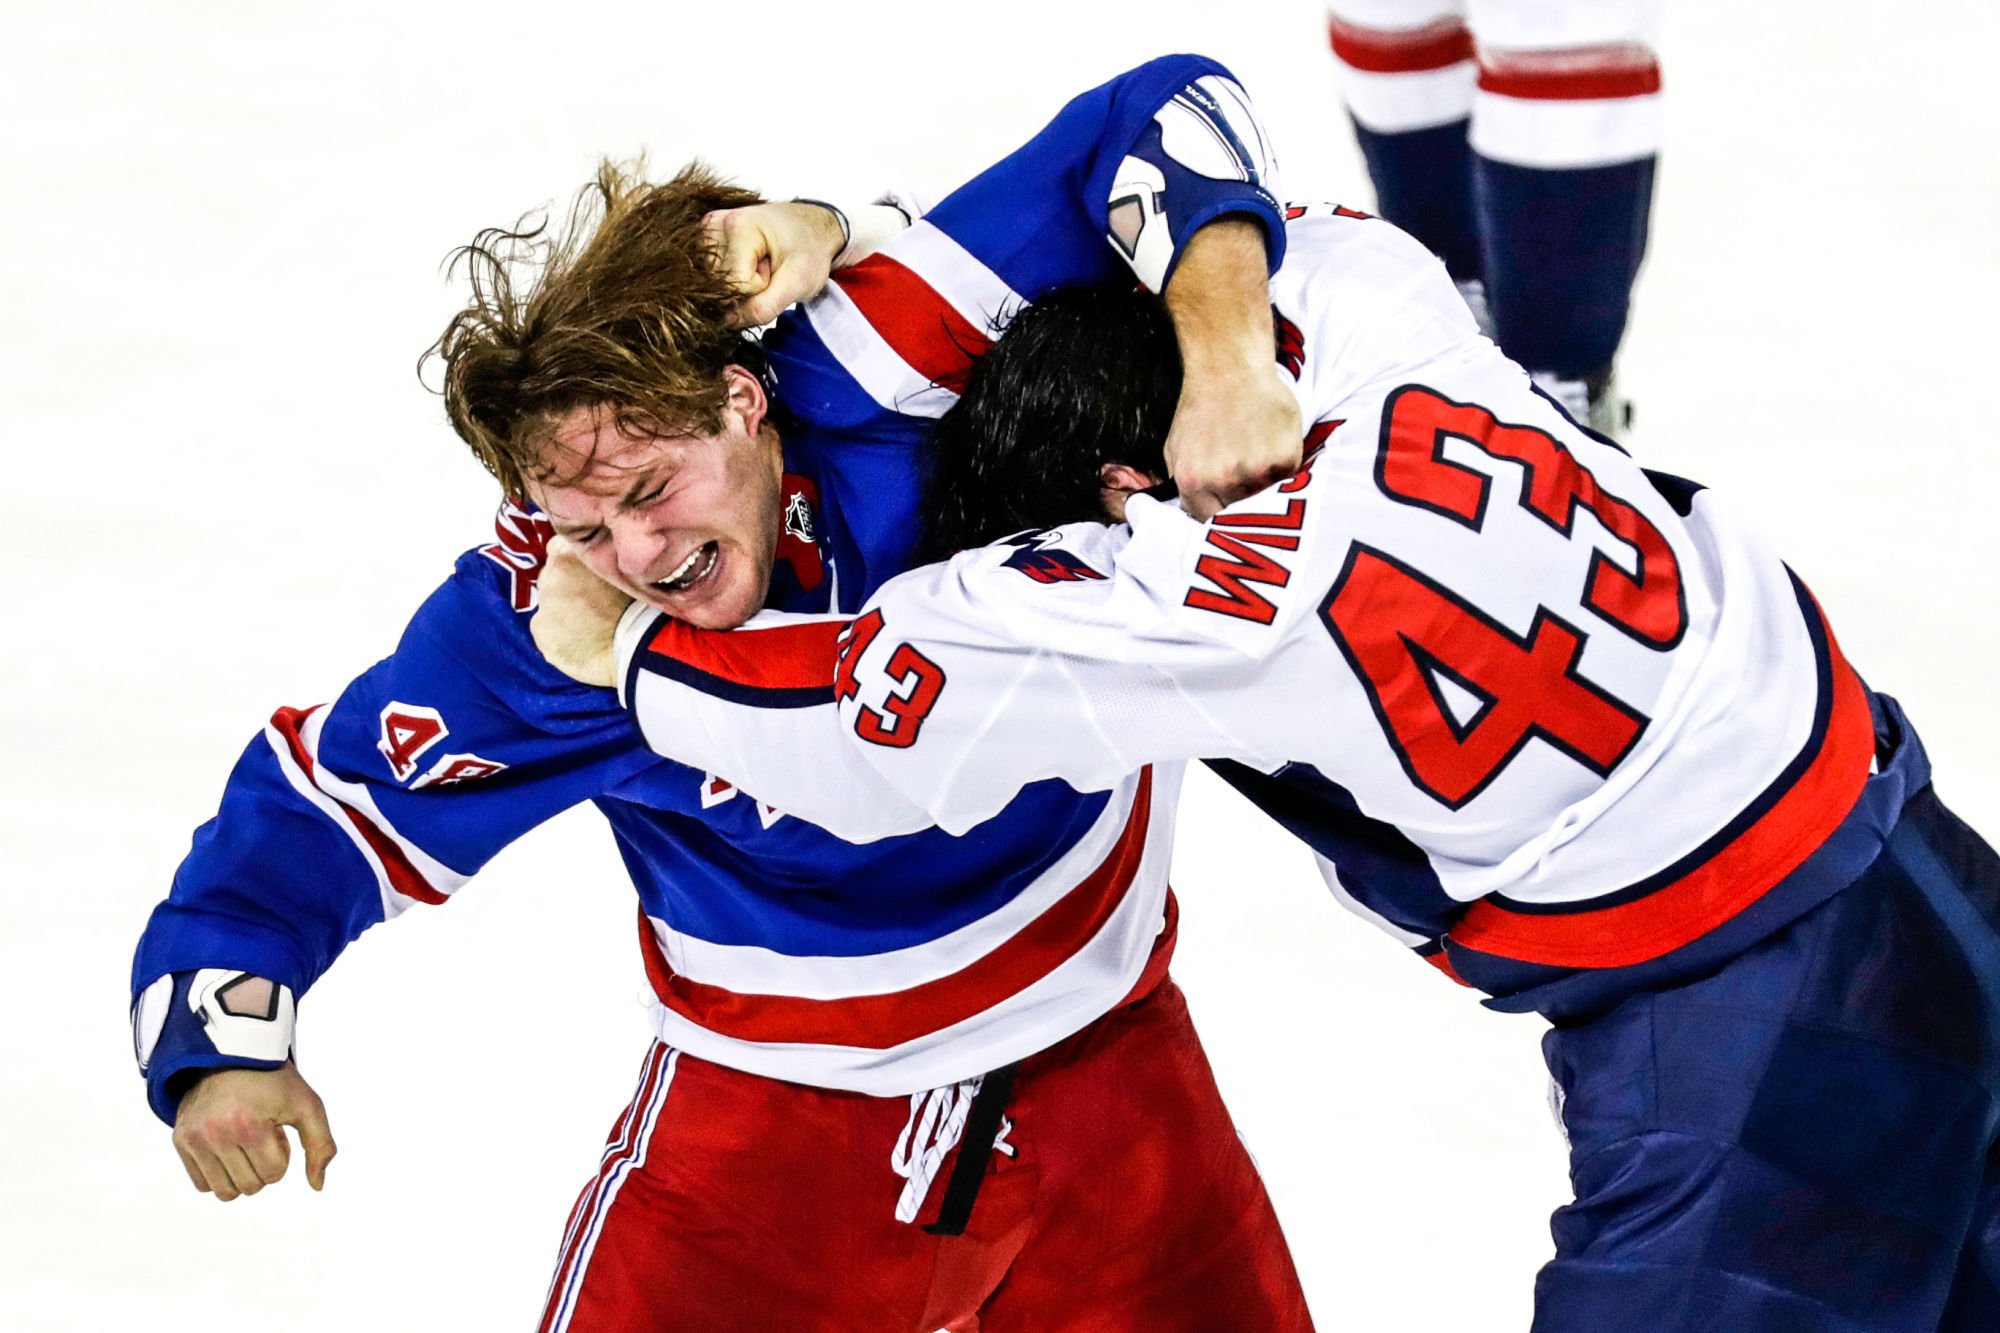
{"x":220,"y":234}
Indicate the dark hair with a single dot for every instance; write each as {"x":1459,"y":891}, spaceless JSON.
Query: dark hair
{"x":622,"y":307}
{"x":1084,"y":377}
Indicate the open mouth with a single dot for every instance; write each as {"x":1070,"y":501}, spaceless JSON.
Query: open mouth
{"x":699,"y":565}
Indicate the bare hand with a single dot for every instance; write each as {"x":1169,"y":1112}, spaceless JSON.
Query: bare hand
{"x":1232,"y":436}
{"x":1237,"y":428}
{"x":775,"y":254}
{"x":576,"y":618}
{"x":230,"y":1130}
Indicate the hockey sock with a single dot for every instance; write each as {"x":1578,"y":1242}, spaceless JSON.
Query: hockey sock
{"x":1409,"y":92}
{"x":1423,"y":184}
{"x":1564,"y":146}
{"x":1561,"y":251}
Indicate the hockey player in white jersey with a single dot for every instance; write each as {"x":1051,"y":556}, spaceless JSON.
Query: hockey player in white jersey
{"x":1567,"y":728}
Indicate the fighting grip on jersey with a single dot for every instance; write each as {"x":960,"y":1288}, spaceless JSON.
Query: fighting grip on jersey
{"x":699,"y":545}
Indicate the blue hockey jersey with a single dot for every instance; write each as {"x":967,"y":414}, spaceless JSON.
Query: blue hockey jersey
{"x":772,"y":945}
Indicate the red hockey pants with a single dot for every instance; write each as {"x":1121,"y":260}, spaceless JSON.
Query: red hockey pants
{"x":1118,"y":1197}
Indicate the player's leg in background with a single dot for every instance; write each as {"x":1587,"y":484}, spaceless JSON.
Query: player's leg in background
{"x":1565,"y":135}
{"x":1407,"y":74}
{"x":1802,"y":1140}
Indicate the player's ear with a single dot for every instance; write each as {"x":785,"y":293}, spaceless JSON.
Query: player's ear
{"x":1116,"y":482}
{"x":743,"y":397}
{"x":1124,"y":477}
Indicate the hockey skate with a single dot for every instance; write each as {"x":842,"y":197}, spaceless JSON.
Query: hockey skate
{"x":1594,"y":400}
{"x":1473,"y":291}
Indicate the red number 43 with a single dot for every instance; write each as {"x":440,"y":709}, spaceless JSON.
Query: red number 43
{"x":902,"y":715}
{"x":1457,"y":693}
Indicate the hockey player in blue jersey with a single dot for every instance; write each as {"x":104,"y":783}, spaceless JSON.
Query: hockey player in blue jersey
{"x":921,"y":1083}
{"x":1566,"y":728}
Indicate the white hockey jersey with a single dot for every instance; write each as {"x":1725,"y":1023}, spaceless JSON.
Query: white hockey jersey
{"x":1540,"y":712}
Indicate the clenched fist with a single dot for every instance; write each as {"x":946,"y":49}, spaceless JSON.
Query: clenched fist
{"x":775,"y":254}
{"x":576,"y":618}
{"x":230,"y":1130}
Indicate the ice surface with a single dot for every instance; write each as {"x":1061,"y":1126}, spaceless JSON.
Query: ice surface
{"x":220,"y":230}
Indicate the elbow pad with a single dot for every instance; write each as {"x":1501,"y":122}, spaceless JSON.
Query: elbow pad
{"x":1202,"y":156}
{"x":213,"y":1018}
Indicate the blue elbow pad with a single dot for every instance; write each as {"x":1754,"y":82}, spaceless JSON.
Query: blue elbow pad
{"x":1204,"y":155}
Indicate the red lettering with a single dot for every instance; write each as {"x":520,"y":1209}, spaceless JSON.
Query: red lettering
{"x":1291,"y":520}
{"x":1239,"y":566}
{"x":457,"y":768}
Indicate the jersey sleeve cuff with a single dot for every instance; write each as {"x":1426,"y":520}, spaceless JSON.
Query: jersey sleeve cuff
{"x":634,"y":628}
{"x":212,"y":1018}
{"x":1201,"y":157}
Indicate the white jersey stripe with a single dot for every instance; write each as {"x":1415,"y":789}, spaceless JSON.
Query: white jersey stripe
{"x":954,"y":274}
{"x":753,"y":970}
{"x":356,"y":796}
{"x":393,"y":902}
{"x":864,"y":354}
{"x":1563,"y":135}
{"x":1097,"y":973}
{"x":563,"y":1302}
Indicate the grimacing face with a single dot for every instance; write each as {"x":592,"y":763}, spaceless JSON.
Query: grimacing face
{"x":686,"y":523}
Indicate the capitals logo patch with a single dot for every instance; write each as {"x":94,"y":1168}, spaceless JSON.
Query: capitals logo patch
{"x":1047,"y":563}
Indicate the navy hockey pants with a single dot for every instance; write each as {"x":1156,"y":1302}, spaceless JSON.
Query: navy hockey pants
{"x":1805,"y":1140}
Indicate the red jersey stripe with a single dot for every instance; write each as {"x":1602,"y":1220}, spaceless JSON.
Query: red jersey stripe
{"x":403,"y":877}
{"x":1442,"y":963}
{"x":785,"y":657}
{"x":878,"y":1022}
{"x":920,"y":326}
{"x":1437,"y":45}
{"x":1735,"y":877}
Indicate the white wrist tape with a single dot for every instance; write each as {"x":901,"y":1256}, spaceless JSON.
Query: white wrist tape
{"x":873,"y":226}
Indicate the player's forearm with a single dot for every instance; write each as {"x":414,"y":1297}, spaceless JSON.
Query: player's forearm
{"x":1219,"y":298}
{"x":1236,"y":427}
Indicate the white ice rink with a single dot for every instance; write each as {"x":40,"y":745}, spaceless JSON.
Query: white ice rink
{"x":220,"y":231}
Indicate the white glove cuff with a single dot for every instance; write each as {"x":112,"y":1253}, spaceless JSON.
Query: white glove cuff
{"x":247,"y":1016}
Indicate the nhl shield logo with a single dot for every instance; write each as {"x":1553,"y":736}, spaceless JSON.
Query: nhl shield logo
{"x":799,"y":517}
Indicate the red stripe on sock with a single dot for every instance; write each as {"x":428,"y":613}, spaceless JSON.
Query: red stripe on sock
{"x":1437,"y":45}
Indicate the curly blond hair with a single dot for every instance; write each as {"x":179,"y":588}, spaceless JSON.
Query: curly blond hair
{"x":622,"y":307}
